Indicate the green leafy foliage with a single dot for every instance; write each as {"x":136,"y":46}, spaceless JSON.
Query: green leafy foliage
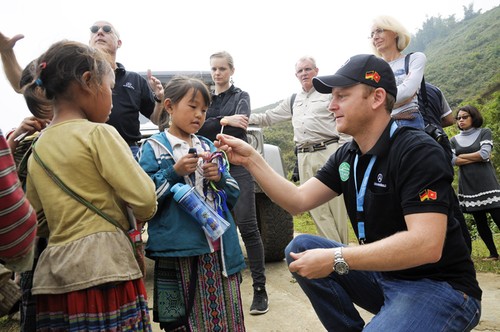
{"x":463,"y":60}
{"x":303,"y":223}
{"x":282,"y":135}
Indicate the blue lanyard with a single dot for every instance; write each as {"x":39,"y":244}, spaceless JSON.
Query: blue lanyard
{"x":360,"y":194}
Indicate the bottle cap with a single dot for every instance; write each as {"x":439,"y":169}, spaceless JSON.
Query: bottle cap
{"x":179,"y":190}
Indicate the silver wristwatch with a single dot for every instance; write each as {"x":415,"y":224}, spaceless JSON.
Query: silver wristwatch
{"x":340,"y":265}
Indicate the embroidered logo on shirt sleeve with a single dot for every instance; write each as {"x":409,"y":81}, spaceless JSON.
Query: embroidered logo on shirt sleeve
{"x":427,"y":195}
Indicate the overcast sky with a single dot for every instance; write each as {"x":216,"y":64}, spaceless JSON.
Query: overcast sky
{"x":265,"y":37}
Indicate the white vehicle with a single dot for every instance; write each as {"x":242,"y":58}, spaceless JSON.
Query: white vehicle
{"x":275,"y":224}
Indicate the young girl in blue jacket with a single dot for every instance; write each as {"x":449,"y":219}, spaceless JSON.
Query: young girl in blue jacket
{"x":196,"y":279}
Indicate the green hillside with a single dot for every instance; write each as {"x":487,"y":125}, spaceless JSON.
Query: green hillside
{"x":462,"y":59}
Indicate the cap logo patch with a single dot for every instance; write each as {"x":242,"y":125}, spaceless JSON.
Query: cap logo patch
{"x":372,"y":75}
{"x":427,"y":195}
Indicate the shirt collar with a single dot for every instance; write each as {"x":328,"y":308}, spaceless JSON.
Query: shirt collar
{"x":231,"y":90}
{"x":382,"y":146}
{"x":469,"y":131}
{"x":119,"y":67}
{"x":176,"y":142}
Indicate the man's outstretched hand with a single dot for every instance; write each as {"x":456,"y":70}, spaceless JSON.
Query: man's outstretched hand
{"x":238,"y":151}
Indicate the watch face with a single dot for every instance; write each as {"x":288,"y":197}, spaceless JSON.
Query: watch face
{"x":341,"y":267}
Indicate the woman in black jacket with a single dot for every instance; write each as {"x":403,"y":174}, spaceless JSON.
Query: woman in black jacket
{"x":229,"y":112}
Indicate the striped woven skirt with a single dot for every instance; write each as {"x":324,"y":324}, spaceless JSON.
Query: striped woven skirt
{"x":117,"y":307}
{"x":191,"y":294}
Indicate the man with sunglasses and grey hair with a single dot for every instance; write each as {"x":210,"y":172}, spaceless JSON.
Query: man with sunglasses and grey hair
{"x":132,"y":94}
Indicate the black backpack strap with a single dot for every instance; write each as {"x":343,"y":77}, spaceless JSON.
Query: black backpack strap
{"x":292,"y":100}
{"x":295,"y":173}
{"x":423,"y":90}
{"x":407,"y":63}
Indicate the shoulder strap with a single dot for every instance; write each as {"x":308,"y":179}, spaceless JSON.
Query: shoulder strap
{"x":163,"y":144}
{"x":77,"y":197}
{"x":423,"y":90}
{"x":159,"y":144}
{"x":22,"y":166}
{"x":292,"y":100}
{"x":407,"y":63}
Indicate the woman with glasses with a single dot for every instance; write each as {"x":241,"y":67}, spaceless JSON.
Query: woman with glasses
{"x":478,"y":187}
{"x":388,"y":39}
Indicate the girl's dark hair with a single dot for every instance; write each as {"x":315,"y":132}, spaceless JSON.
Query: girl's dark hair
{"x":47,"y":78}
{"x":477,"y":118}
{"x":178,"y":87}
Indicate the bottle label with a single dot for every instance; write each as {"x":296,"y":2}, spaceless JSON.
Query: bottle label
{"x":211,"y":222}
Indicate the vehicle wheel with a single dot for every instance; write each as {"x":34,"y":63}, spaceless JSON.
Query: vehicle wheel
{"x":276,"y":227}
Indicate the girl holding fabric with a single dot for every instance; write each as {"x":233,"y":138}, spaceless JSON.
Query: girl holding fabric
{"x":230,"y":111}
{"x":196,"y":278}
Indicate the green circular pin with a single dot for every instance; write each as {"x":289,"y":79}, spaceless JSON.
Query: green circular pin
{"x":344,"y":170}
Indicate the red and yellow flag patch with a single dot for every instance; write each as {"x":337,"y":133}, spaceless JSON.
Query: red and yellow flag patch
{"x":372,"y":75}
{"x":427,"y":195}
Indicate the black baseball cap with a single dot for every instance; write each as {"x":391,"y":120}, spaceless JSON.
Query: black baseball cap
{"x":363,"y":68}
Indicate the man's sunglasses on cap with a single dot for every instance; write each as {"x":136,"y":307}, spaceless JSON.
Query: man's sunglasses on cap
{"x":105,"y":28}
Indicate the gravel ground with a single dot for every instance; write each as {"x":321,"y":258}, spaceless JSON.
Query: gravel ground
{"x":290,"y":310}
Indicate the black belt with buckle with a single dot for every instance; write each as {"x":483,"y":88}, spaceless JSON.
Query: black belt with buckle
{"x":317,"y":147}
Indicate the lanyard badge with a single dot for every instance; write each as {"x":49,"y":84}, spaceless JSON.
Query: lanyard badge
{"x":360,"y":194}
{"x":360,"y":197}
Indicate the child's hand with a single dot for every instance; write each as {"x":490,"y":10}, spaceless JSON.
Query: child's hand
{"x":29,"y":126}
{"x":211,"y":172}
{"x":187,"y":164}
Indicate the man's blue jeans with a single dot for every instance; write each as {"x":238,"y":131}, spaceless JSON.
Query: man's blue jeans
{"x":399,"y":305}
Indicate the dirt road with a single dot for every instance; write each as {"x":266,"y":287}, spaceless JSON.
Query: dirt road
{"x":290,"y":310}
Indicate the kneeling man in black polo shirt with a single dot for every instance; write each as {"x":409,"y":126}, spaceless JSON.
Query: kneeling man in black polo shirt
{"x":412,"y":268}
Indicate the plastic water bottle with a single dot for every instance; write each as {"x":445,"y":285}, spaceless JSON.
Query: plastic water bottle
{"x":189,"y":199}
